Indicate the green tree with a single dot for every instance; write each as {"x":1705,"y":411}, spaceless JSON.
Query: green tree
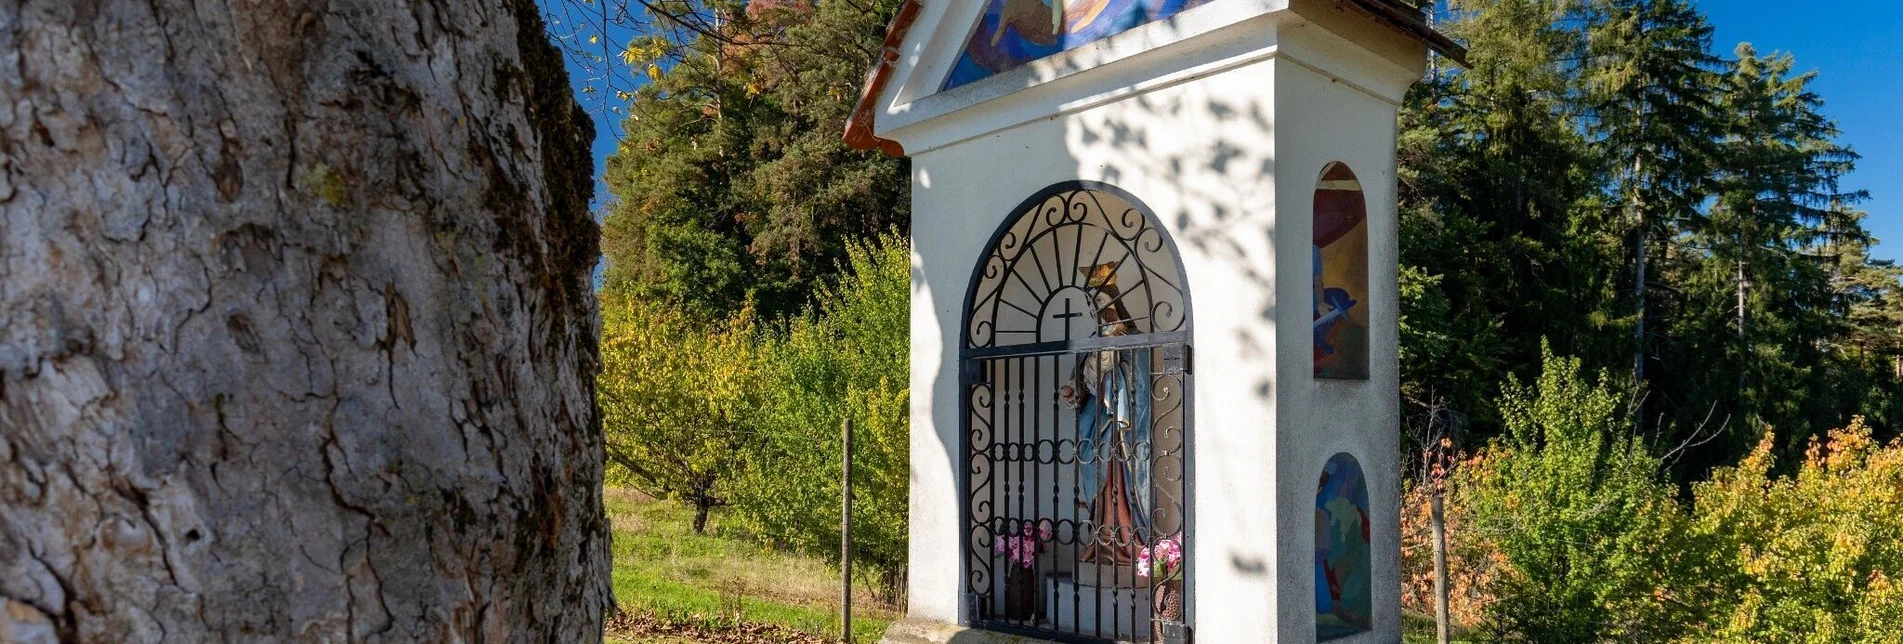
{"x":678,"y":401}
{"x":1760,"y":306}
{"x":847,"y":358}
{"x":1501,"y":231}
{"x":674,"y":230}
{"x":1572,"y":500}
{"x":1650,"y":83}
{"x":731,"y":183}
{"x":1868,"y":369}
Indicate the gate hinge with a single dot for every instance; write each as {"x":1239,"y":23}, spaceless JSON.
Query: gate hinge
{"x":1176,"y":633}
{"x":1179,"y":359}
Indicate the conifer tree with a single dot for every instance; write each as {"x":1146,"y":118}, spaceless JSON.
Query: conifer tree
{"x":1760,"y":303}
{"x":1650,"y":83}
{"x":731,"y":182}
{"x":1494,"y":177}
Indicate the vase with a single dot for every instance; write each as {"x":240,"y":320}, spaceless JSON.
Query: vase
{"x":1168,"y":599}
{"x":1020,"y":594}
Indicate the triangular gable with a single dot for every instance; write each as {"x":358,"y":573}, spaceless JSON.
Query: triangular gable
{"x":1010,"y":33}
{"x":943,"y":56}
{"x":928,"y":53}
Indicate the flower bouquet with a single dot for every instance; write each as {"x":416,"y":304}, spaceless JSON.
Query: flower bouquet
{"x":1163,"y":564}
{"x":1020,"y":577}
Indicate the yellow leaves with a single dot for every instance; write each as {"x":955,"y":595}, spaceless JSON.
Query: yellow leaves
{"x":1849,"y":445}
{"x":675,"y":392}
{"x":1815,"y":552}
{"x":654,"y":72}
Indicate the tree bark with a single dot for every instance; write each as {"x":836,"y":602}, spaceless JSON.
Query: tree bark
{"x":1638,"y":285}
{"x":297,"y":340}
{"x":703,"y":506}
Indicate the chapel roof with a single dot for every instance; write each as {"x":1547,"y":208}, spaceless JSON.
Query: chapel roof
{"x":1396,"y":14}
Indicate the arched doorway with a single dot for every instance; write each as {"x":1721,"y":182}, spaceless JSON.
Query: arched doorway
{"x":1075,"y":373}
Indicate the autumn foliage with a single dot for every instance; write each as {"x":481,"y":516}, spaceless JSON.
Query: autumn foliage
{"x":1567,"y":531}
{"x":1815,"y":556}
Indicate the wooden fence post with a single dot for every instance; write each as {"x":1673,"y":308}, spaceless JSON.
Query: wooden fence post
{"x":845,"y":535}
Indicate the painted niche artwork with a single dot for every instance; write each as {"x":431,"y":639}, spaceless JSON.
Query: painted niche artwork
{"x":1341,"y":276}
{"x":1343,"y":557}
{"x":1014,"y":32}
{"x":1110,"y":390}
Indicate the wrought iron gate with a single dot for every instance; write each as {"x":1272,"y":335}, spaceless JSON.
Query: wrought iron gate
{"x":1077,"y":426}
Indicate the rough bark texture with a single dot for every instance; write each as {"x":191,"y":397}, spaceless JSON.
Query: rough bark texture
{"x":296,"y":333}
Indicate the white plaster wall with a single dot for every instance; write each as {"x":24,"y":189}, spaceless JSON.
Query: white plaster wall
{"x":1203,"y":150}
{"x":1214,"y":198}
{"x":1320,"y":418}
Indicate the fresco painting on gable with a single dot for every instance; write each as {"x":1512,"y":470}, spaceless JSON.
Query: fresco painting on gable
{"x":1014,"y":32}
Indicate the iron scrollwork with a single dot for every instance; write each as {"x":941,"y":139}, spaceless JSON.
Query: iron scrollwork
{"x":1077,"y":423}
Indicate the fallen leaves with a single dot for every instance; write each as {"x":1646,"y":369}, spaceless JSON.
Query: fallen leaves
{"x":648,"y":625}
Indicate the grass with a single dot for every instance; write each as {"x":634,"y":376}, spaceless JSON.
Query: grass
{"x":722,"y":577}
{"x":1417,"y":628}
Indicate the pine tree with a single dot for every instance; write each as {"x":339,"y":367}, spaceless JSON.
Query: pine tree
{"x":1650,"y":83}
{"x":731,"y":183}
{"x":675,"y":228}
{"x":1503,"y":237}
{"x":1760,"y":303}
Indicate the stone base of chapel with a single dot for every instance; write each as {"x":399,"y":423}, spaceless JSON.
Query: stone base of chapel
{"x":918,"y":631}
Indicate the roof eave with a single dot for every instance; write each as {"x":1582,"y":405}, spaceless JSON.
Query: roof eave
{"x":859,"y":132}
{"x":1408,"y":22}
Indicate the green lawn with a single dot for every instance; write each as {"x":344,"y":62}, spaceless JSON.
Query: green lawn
{"x":720,"y":578}
{"x":661,"y":567}
{"x":1419,"y":629}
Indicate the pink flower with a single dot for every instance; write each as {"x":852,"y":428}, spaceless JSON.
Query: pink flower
{"x":1161,"y":559}
{"x":1023,"y":550}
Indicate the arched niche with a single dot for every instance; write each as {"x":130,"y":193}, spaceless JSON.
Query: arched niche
{"x":1344,"y":563}
{"x":1076,"y":423}
{"x":1340,"y":254}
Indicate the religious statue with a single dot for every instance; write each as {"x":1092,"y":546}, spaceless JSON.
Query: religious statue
{"x":1110,"y":389}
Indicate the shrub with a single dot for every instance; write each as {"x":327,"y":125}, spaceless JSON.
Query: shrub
{"x":1812,"y":557}
{"x":1473,"y":565}
{"x":1573,"y":502}
{"x":846,"y":359}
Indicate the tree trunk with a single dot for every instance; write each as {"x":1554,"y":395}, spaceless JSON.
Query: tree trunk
{"x":1638,"y":289}
{"x":296,"y":333}
{"x":702,"y":507}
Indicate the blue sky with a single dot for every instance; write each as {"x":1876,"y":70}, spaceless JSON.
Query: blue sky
{"x":1855,"y":46}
